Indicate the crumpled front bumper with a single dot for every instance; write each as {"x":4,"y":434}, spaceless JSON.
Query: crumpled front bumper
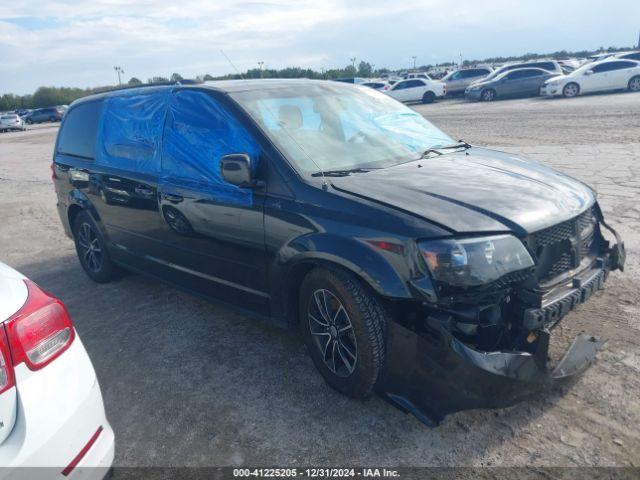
{"x":430,"y":373}
{"x":431,"y":376}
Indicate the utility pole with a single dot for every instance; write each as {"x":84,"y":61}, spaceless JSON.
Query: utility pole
{"x":260,"y":64}
{"x":414,"y":62}
{"x":353,"y":62}
{"x":119,"y":71}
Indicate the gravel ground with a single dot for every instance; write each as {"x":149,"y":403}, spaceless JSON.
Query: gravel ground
{"x":186,"y":382}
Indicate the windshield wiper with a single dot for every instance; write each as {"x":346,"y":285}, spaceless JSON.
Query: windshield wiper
{"x":453,"y":146}
{"x":341,"y":173}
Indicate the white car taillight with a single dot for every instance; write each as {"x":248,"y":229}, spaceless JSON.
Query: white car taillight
{"x":40,"y":331}
{"x":6,"y":369}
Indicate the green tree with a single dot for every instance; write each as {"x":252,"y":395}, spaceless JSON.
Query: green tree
{"x":134,"y":81}
{"x":176,"y":77}
{"x":158,"y":80}
{"x":365,"y":69}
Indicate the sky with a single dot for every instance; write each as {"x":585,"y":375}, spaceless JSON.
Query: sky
{"x":77,"y":43}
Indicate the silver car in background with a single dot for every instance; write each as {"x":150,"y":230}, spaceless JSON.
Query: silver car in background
{"x":11,"y":121}
{"x":458,"y":80}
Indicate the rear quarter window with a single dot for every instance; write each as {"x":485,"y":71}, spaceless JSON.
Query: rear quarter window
{"x":79,"y":130}
{"x":131,"y":130}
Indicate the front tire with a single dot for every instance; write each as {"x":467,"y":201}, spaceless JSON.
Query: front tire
{"x":343,"y":326}
{"x":488,"y":95}
{"x":428,"y":97}
{"x":571,"y":90}
{"x":92,"y":250}
{"x":634,"y":84}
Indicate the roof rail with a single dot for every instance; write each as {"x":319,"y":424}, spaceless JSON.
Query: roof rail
{"x":185,"y":81}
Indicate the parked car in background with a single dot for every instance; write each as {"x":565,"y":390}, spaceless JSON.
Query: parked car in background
{"x":51,"y":410}
{"x":569,"y":64}
{"x":605,"y":75}
{"x":417,"y":90}
{"x":11,"y":121}
{"x":549,"y":65}
{"x":629,"y":56}
{"x":356,"y":80}
{"x":261,"y":194}
{"x":376,"y":85}
{"x":41,"y":115}
{"x":458,"y":80}
{"x":23,"y":112}
{"x":416,"y":75}
{"x":521,"y":82}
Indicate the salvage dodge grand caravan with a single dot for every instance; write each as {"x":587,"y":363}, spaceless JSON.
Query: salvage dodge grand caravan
{"x":430,"y":271}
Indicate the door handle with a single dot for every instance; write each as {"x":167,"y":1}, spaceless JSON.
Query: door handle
{"x":143,"y":191}
{"x":172,"y":197}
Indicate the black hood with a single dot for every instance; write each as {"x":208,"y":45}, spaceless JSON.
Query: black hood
{"x":479,"y":190}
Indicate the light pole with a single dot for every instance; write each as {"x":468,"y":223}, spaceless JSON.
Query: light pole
{"x":260,"y":64}
{"x":119,"y":71}
{"x":414,"y":62}
{"x":353,"y":62}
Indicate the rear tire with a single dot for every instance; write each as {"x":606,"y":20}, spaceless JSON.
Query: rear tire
{"x":343,"y":326}
{"x":92,"y":250}
{"x":488,"y":95}
{"x":428,"y":97}
{"x":570,"y":90}
{"x":634,"y":84}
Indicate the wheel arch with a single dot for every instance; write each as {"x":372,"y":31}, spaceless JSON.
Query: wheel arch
{"x":78,"y":202}
{"x":347,"y":255}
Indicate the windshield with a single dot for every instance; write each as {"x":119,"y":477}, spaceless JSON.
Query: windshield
{"x":328,"y":126}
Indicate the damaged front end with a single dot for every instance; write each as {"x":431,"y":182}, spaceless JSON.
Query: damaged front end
{"x":487,"y":345}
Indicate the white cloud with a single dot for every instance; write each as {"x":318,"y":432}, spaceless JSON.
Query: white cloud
{"x":72,"y":42}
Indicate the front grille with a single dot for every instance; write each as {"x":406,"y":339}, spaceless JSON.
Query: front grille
{"x":561,"y":247}
{"x":562,"y":265}
{"x":555,"y":234}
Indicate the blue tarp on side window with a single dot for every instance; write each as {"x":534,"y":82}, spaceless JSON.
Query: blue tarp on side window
{"x":130,"y":132}
{"x":197,"y":134}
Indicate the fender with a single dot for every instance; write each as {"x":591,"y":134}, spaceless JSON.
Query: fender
{"x":382,"y":271}
{"x":379,"y":269}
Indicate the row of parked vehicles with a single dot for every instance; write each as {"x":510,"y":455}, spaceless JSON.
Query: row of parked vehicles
{"x":19,"y":119}
{"x":546,"y":77}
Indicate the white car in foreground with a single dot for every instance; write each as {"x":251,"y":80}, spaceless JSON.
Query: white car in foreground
{"x":51,"y":410}
{"x":423,"y":90}
{"x":605,"y":75}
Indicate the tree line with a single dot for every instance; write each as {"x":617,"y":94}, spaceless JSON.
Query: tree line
{"x":51,"y":96}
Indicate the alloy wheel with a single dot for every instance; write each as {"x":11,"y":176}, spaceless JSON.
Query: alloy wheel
{"x":571,"y":90}
{"x":91,"y":251}
{"x":332,"y":332}
{"x":634,"y":84}
{"x":488,"y":95}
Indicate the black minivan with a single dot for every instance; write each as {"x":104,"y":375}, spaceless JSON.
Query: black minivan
{"x":430,"y":271}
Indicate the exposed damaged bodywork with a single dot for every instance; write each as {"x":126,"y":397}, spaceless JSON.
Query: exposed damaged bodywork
{"x":465,"y":351}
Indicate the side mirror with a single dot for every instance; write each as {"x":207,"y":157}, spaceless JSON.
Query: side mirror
{"x":236,"y":169}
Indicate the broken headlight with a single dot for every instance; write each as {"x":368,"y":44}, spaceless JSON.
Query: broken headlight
{"x":469,"y":262}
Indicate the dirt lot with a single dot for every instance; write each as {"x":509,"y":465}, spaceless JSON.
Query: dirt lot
{"x":186,"y":382}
